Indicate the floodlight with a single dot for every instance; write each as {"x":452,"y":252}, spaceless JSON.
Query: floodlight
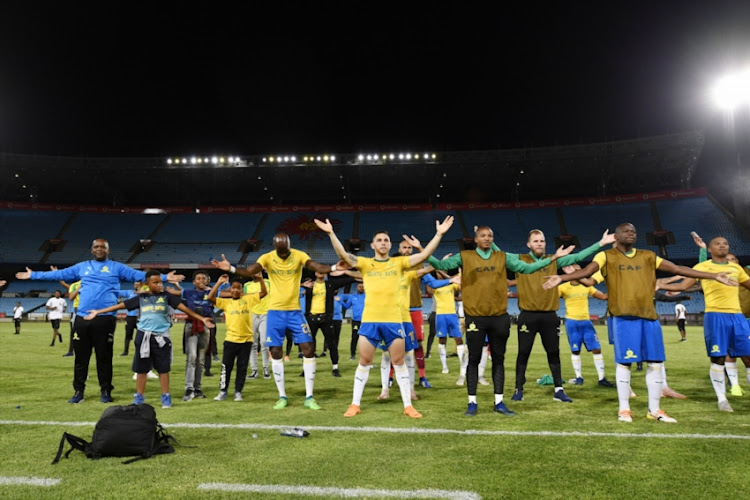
{"x":231,"y":159}
{"x":318,"y":158}
{"x":732,"y":91}
{"x":333,"y":158}
{"x":362,"y":157}
{"x":392,"y":156}
{"x":325,"y":158}
{"x":265,"y":159}
{"x":184,"y":161}
{"x":408,"y":156}
{"x":401,"y":156}
{"x":214,"y":160}
{"x":169,"y":162}
{"x":294,"y":158}
{"x":434,"y":156}
{"x":416,"y":156}
{"x":221,"y":159}
{"x":271,"y":159}
{"x":193,"y":160}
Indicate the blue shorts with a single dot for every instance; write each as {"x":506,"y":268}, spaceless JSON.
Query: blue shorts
{"x":581,"y":332}
{"x":278,"y":322}
{"x":637,"y":339}
{"x":384,"y":333}
{"x":447,"y":325}
{"x":610,"y":331}
{"x":410,"y":337}
{"x":726,"y":333}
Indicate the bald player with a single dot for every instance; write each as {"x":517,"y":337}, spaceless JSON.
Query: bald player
{"x":630,"y":275}
{"x":284,"y":266}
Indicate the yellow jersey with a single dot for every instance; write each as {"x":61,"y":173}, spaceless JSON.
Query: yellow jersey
{"x":719,"y":297}
{"x":285,"y":276}
{"x":253,"y":287}
{"x":576,"y":298}
{"x":382,"y":279}
{"x":445,"y":299}
{"x":318,"y":304}
{"x":238,"y":317}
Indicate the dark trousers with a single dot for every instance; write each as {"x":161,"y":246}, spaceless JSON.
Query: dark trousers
{"x":497,"y":330}
{"x":97,"y":334}
{"x":433,"y":331}
{"x":547,"y":324}
{"x":234,"y":351}
{"x":336,"y":338}
{"x":130,"y":322}
{"x":324,"y":323}
{"x":355,"y":337}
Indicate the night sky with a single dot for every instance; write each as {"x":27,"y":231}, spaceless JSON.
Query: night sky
{"x":159,"y":78}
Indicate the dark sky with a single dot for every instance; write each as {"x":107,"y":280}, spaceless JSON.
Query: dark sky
{"x":160,"y":78}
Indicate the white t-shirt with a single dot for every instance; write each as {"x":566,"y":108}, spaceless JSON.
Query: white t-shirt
{"x":58,"y":306}
{"x":679,"y":311}
{"x":17,"y":312}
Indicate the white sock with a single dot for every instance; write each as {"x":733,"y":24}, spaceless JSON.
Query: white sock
{"x":335,"y":367}
{"x":402,"y":377}
{"x":498,"y":398}
{"x":732,"y":373}
{"x":599,"y":364}
{"x":664,"y":376}
{"x":385,"y":370}
{"x":717,"y":380}
{"x":654,"y":384}
{"x":360,"y":379}
{"x":308,"y":366}
{"x":473,"y":399}
{"x":747,"y":374}
{"x":443,"y":356}
{"x":409,"y":362}
{"x":277,"y":366}
{"x":622,"y":376}
{"x":461,"y":349}
{"x":576,"y":359}
{"x":482,"y":361}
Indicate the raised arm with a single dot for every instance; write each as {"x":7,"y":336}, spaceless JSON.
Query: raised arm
{"x":607,"y":239}
{"x":224,"y":278}
{"x":440,"y":229}
{"x":345,"y":257}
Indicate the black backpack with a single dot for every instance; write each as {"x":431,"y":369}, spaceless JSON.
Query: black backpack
{"x":122,"y":431}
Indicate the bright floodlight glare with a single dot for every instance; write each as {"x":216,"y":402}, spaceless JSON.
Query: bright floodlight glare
{"x":362,"y":157}
{"x":205,"y":160}
{"x":434,"y":156}
{"x":265,"y":160}
{"x":271,"y":159}
{"x":401,"y":156}
{"x":294,"y":158}
{"x":408,"y":156}
{"x":317,"y":159}
{"x":230,"y":159}
{"x":214,"y":160}
{"x":169,"y":162}
{"x":333,"y":158}
{"x":732,"y":91}
{"x":392,"y":156}
{"x":184,"y":161}
{"x":416,"y":156}
{"x":325,"y":158}
{"x":286,"y":158}
{"x":221,"y":159}
{"x":193,"y":160}
{"x":384,"y":157}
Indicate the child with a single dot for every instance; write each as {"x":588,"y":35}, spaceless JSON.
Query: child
{"x":152,"y":343}
{"x":239,"y":337}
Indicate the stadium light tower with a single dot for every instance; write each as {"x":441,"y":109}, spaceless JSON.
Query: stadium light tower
{"x":731,"y":94}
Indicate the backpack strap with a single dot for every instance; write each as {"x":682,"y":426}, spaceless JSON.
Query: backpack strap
{"x":75,"y":443}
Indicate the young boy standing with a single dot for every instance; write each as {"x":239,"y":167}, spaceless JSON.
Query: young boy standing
{"x":239,"y":336}
{"x":153,"y":347}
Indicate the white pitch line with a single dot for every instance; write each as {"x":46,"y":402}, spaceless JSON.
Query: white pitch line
{"x":27,"y":481}
{"x":408,"y":430}
{"x":338,"y":492}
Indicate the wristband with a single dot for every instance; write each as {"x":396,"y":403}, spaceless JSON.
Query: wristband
{"x":333,"y":268}
{"x":232,"y":269}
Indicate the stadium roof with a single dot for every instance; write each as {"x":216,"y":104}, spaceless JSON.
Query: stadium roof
{"x":644,"y":164}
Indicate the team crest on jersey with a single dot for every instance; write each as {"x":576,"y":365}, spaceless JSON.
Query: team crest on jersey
{"x":629,"y":354}
{"x":472,"y":327}
{"x":104,"y":269}
{"x":76,"y":337}
{"x":160,"y":300}
{"x":523,"y":329}
{"x":715,"y":348}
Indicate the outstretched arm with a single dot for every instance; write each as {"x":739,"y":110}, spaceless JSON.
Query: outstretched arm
{"x":607,"y":239}
{"x":347,"y":258}
{"x":553,"y":281}
{"x":94,"y":313}
{"x":673,"y":268}
{"x":247,"y":272}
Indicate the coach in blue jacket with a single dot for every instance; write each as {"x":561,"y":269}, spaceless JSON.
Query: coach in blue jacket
{"x":100,"y":287}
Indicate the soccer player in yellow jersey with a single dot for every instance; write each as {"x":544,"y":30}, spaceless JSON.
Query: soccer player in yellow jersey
{"x":725,"y":329}
{"x":446,"y":324}
{"x":578,"y":325}
{"x":381,"y":321}
{"x":239,"y":336}
{"x":260,"y":310}
{"x":630,"y":276}
{"x":284,"y":267}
